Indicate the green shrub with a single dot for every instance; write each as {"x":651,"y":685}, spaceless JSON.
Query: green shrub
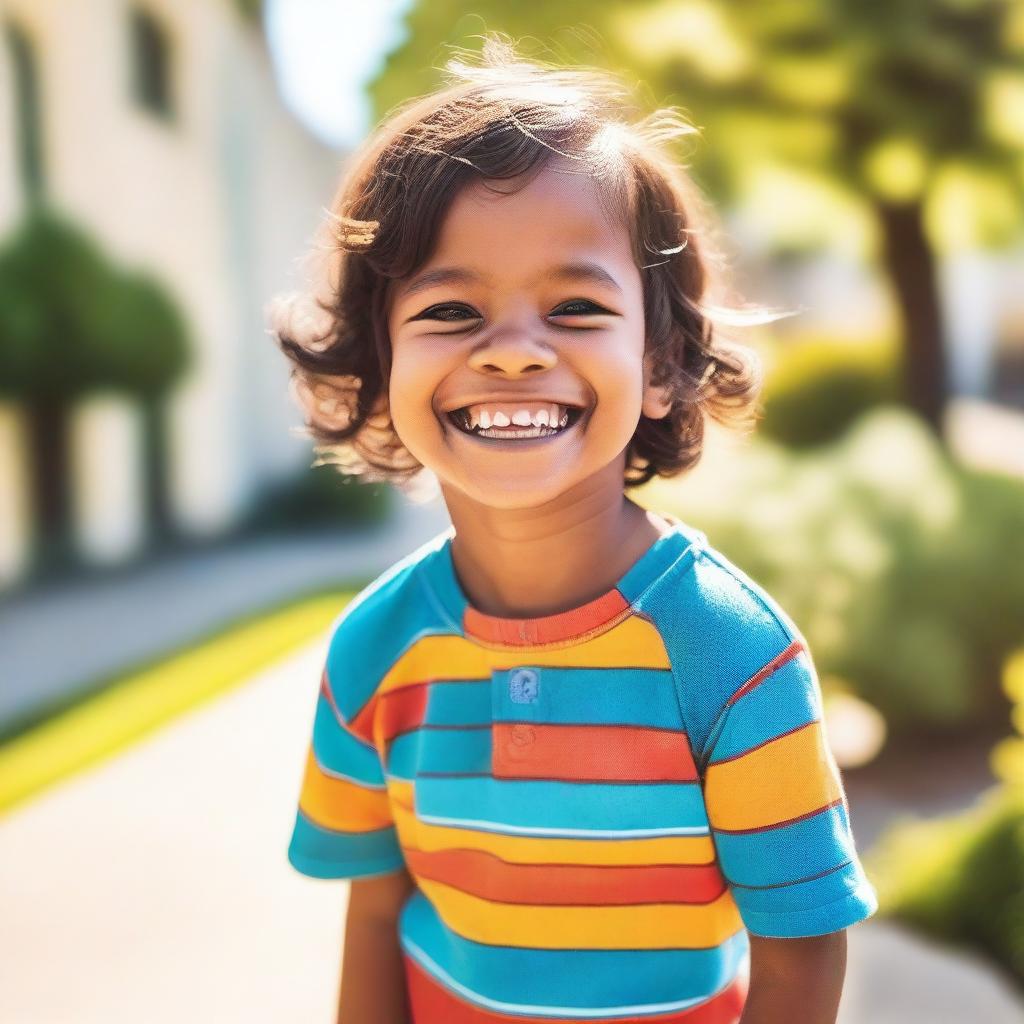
{"x":816,"y":390}
{"x":960,"y":879}
{"x":1008,"y":755}
{"x":72,"y":322}
{"x":321,"y":498}
{"x":899,"y":566}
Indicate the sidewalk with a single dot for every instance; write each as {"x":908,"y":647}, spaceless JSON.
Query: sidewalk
{"x":155,"y":887}
{"x":58,"y":640}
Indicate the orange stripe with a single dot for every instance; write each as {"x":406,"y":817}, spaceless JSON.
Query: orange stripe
{"x":485,"y":875}
{"x":545,"y":629}
{"x":591,"y":753}
{"x":431,"y":1002}
{"x":400,"y":711}
{"x":795,"y":647}
{"x":339,"y":804}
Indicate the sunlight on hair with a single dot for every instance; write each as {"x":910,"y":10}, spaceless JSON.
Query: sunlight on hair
{"x":497,"y":116}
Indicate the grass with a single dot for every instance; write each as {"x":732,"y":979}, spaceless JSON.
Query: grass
{"x":133,"y":705}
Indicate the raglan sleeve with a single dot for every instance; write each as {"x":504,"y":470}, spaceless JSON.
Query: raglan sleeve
{"x":776,"y":806}
{"x":343,"y":823}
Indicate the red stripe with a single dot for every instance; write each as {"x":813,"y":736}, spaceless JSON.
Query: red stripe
{"x":486,"y":875}
{"x":545,"y":628}
{"x":401,"y":711}
{"x":431,"y":1003}
{"x":762,"y":674}
{"x":592,"y":753}
{"x":362,"y":724}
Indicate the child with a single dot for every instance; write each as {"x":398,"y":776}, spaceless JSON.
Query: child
{"x":571,"y":757}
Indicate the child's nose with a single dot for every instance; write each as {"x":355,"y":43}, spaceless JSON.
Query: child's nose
{"x":512,"y":352}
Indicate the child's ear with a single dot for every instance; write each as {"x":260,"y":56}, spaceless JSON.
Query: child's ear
{"x":657,"y":401}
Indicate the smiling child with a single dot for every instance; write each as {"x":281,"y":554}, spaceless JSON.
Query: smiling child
{"x":571,"y":757}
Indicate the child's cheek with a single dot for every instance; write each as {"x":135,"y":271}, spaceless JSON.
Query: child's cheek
{"x":410,"y":396}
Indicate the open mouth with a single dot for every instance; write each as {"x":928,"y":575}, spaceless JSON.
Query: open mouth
{"x":547,"y":423}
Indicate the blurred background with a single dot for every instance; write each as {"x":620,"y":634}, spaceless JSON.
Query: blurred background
{"x":169,"y":561}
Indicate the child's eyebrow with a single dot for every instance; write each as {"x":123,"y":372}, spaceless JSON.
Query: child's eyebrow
{"x":580,"y":270}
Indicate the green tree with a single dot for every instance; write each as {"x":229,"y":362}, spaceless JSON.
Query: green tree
{"x":914,"y":106}
{"x":71,"y":323}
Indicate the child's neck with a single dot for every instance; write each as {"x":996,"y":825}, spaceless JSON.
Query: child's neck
{"x":526,"y":563}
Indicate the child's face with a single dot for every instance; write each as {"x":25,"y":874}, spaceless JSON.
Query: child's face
{"x":512,"y":333}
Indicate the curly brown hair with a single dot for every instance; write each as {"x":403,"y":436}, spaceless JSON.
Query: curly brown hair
{"x":502,"y":118}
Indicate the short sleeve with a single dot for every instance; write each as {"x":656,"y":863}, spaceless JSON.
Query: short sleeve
{"x":776,"y":806}
{"x":343,"y":825}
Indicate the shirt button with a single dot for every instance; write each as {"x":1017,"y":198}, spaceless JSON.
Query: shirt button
{"x":522,"y":735}
{"x":523,"y":686}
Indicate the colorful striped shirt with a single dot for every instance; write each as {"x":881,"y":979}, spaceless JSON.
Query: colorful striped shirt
{"x":597,"y":805}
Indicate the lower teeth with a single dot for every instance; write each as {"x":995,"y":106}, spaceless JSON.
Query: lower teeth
{"x":526,"y":432}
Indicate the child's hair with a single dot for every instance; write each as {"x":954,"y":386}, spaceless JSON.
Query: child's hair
{"x":499,"y":119}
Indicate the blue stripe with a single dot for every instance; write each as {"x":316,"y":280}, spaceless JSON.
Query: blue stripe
{"x":338,"y":751}
{"x":814,"y":892}
{"x":324,"y":853}
{"x":385,"y":619}
{"x":788,"y":852}
{"x":860,"y":901}
{"x":440,"y":750}
{"x":783,"y":701}
{"x":571,"y":978}
{"x":595,"y":696}
{"x":459,"y":703}
{"x":675,"y":807}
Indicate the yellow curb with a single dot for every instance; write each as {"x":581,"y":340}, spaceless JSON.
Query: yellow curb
{"x":136,"y":704}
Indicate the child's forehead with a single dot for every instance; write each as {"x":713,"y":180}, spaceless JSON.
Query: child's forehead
{"x":557,"y":208}
{"x":558,"y":187}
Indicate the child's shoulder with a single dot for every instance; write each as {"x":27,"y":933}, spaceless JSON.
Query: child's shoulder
{"x":720,"y":628}
{"x":378,"y":623}
{"x":708,"y":595}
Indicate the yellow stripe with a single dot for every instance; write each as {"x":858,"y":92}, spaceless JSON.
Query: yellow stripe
{"x":544,"y":850}
{"x":788,"y":777}
{"x":339,"y":804}
{"x":633,"y":643}
{"x":635,"y":926}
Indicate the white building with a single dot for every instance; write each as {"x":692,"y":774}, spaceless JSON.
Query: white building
{"x":160,"y":132}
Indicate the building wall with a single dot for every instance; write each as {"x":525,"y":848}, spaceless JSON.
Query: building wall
{"x":217,"y":203}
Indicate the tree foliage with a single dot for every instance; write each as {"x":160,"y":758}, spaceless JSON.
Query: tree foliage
{"x":900,"y":100}
{"x":913,"y":108}
{"x":70,"y":322}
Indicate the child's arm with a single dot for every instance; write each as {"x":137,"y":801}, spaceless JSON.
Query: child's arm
{"x":372,"y":976}
{"x":795,"y":979}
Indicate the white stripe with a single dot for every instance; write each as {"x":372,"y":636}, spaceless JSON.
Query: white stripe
{"x":538,"y":830}
{"x":563,"y":1011}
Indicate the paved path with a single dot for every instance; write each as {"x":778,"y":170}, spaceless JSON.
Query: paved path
{"x":155,"y":887}
{"x":57,"y":640}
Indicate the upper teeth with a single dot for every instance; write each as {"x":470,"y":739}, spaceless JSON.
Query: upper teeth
{"x":487,"y":416}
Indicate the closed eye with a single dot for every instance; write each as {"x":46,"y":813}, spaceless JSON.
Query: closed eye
{"x":434,"y":313}
{"x":583,"y":307}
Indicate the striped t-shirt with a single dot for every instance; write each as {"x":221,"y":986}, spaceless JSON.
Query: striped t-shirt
{"x":595,"y":805}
